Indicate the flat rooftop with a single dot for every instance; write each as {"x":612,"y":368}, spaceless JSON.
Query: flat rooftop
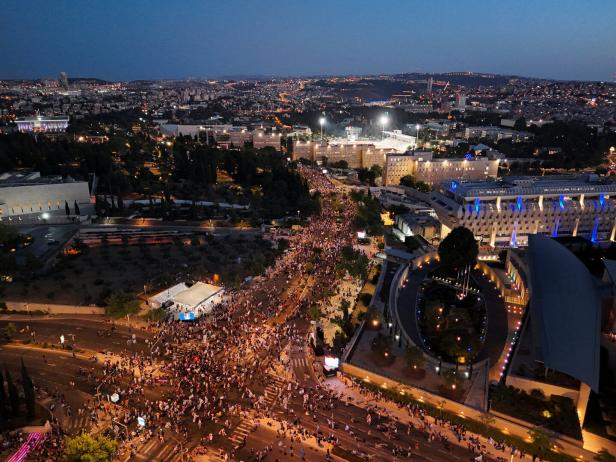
{"x":42,"y":119}
{"x":532,"y":185}
{"x":15,"y":179}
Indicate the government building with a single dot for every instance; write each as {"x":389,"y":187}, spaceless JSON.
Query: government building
{"x":505,"y":212}
{"x":31,"y":194}
{"x":42,"y":124}
{"x":431,"y":171}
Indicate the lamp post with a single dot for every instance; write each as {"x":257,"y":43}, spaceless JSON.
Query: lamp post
{"x":417,"y":127}
{"x":384,"y":120}
{"x":321,"y":123}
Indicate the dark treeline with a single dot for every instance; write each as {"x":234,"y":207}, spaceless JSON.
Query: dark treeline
{"x":185,"y":169}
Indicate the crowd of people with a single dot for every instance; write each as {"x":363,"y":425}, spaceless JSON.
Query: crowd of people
{"x":196,"y":381}
{"x":211,"y":373}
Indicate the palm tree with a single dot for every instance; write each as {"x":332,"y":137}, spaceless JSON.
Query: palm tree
{"x":487,"y":420}
{"x":440,"y":405}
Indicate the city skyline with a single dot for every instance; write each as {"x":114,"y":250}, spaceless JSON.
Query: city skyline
{"x":156,"y":40}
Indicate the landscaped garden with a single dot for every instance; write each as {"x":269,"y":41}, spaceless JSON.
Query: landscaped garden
{"x":556,"y":413}
{"x":452,"y":325}
{"x":107,"y":269}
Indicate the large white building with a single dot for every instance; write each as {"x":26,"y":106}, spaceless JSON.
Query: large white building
{"x":357,"y":153}
{"x":42,"y":124}
{"x":30,"y":193}
{"x":431,"y":171}
{"x":227,"y":136}
{"x":505,"y":212}
{"x":187,"y":303}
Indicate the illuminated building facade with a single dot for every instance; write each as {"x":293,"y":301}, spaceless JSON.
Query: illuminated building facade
{"x":29,"y":193}
{"x":356,"y":154}
{"x":432,"y":171}
{"x":42,"y":124}
{"x":505,"y":212}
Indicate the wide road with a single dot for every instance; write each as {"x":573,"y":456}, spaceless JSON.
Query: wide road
{"x":87,"y":333}
{"x":50,"y":369}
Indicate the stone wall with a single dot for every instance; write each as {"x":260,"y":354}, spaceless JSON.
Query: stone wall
{"x":52,"y":308}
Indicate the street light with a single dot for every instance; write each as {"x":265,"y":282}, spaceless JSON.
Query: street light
{"x":383,"y":120}
{"x":322,"y":121}
{"x":417,"y":127}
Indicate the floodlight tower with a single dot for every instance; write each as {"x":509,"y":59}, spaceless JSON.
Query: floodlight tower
{"x":322,"y":121}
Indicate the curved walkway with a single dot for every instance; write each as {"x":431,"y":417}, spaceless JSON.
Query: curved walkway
{"x":497,"y":314}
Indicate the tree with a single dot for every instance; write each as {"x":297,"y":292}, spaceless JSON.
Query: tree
{"x":377,"y":170}
{"x":10,"y":330}
{"x":315,"y":313}
{"x":29,"y":395}
{"x":120,"y":303}
{"x":452,"y":380}
{"x":67,"y":209}
{"x":415,"y":358}
{"x":459,"y":249}
{"x":382,"y":345}
{"x":440,"y":405}
{"x":604,"y":456}
{"x":2,"y":396}
{"x":520,"y":124}
{"x":487,"y":420}
{"x":343,"y":164}
{"x":86,"y":448}
{"x":408,"y":180}
{"x":8,"y":235}
{"x":76,"y":208}
{"x":344,"y":321}
{"x":13,"y":393}
{"x":542,"y":441}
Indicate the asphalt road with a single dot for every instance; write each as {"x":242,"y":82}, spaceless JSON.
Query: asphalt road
{"x":89,"y":333}
{"x":50,"y":369}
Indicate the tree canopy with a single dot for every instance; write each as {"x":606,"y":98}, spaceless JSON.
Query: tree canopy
{"x":121,"y":303}
{"x":86,"y":448}
{"x":459,"y":249}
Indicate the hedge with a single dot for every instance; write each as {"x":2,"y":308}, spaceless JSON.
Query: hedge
{"x":471,"y":425}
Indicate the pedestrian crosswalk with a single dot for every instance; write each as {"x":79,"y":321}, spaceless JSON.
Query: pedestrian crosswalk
{"x":241,"y":431}
{"x":75,"y":424}
{"x":299,"y":362}
{"x":270,"y":395}
{"x":153,"y":450}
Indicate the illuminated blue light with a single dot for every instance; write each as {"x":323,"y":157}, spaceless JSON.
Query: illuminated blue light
{"x":593,"y":236}
{"x":476,"y":205}
{"x":468,"y":156}
{"x":519,"y":203}
{"x":602,"y":200}
{"x":454,"y":185}
{"x":561,"y":202}
{"x":514,"y":237}
{"x":556,"y":225}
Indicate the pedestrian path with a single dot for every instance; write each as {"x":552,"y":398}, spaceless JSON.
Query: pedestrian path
{"x":272,"y":391}
{"x":75,"y":424}
{"x":241,"y":431}
{"x":154,"y":450}
{"x":270,"y":395}
{"x":299,"y":362}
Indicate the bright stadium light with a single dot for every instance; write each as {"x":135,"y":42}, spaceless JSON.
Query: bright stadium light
{"x":384,"y":120}
{"x":322,"y":121}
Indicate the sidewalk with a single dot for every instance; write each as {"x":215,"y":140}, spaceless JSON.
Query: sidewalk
{"x":351,"y":393}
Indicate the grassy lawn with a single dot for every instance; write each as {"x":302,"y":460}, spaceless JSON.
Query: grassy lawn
{"x":90,"y":277}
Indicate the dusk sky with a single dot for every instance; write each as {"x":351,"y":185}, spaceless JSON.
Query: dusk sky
{"x":152,"y":39}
